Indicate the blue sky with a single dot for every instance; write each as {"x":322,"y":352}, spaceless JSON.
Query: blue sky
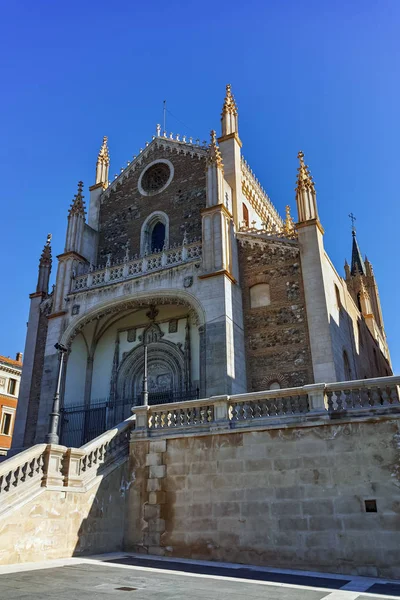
{"x":311,"y":75}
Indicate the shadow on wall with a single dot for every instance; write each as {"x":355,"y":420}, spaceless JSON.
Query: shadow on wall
{"x":355,"y":357}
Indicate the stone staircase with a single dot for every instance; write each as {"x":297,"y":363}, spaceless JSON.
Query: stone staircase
{"x":57,"y":502}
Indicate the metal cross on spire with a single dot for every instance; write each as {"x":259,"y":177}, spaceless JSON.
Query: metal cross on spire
{"x":352,"y":218}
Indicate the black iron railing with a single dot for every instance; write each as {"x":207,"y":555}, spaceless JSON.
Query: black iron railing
{"x":80,"y":424}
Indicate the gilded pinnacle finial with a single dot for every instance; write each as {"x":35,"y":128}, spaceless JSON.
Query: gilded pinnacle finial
{"x":45,"y":258}
{"x":215,"y":154}
{"x":229,"y":106}
{"x":288,"y":227}
{"x":304,"y":178}
{"x":104,"y":155}
{"x":78,"y":205}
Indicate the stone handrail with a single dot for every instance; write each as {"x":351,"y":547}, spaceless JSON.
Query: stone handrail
{"x":23,"y":469}
{"x":363,"y":394}
{"x":88,"y":461}
{"x":137,"y":267}
{"x":55,"y":466}
{"x":272,"y":406}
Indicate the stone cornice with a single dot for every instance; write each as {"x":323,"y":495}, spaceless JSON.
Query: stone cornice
{"x":57,"y":314}
{"x":311,"y":222}
{"x":72,"y":254}
{"x":217,"y":273}
{"x":216,"y":208}
{"x":230,"y":136}
{"x":96,"y":186}
{"x":15,"y":370}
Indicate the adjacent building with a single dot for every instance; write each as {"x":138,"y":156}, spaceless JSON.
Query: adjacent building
{"x":10,"y":376}
{"x":183,"y":256}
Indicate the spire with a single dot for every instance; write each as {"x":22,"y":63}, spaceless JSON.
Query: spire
{"x":215,"y":154}
{"x":305,"y":192}
{"x":304,"y":177}
{"x":288,"y":227}
{"x":347,"y":269}
{"x":357,"y":263}
{"x":45,"y":263}
{"x":45,"y":259}
{"x":229,"y":115}
{"x":103,"y":163}
{"x":78,"y":205}
{"x":76,"y":223}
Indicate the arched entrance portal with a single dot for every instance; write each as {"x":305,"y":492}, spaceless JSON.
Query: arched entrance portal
{"x":104,"y":371}
{"x":168,"y":368}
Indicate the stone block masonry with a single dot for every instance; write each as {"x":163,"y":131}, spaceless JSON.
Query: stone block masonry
{"x":277,"y":338}
{"x":292,"y":498}
{"x":124,"y":209}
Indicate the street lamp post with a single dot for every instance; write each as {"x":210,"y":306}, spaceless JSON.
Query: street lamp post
{"x":145,"y":391}
{"x":52,"y":436}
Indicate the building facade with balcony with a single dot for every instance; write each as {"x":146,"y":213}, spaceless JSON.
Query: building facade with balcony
{"x":184,"y":255}
{"x":10,"y":377}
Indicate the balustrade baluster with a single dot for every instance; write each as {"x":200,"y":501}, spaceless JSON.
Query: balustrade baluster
{"x":257,"y":410}
{"x":392,"y":394}
{"x":8,"y":481}
{"x":24,"y":471}
{"x":348,"y":400}
{"x":339,"y":401}
{"x":329,"y":395}
{"x":385,"y":397}
{"x":245,"y":409}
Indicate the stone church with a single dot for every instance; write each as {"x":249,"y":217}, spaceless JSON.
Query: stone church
{"x":184,"y":257}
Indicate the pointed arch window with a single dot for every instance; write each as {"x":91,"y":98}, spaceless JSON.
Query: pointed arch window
{"x":246,"y":219}
{"x":157,"y":237}
{"x":154,"y":236}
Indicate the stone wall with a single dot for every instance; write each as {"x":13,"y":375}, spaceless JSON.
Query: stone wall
{"x":59,"y":524}
{"x":36,"y":381}
{"x":124,"y":210}
{"x":277,"y":342}
{"x":292,"y":498}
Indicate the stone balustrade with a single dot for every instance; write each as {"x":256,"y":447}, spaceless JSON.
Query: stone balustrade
{"x":58,"y":467}
{"x":21,"y":473}
{"x":274,"y":407}
{"x":138,"y":266}
{"x":363,"y":394}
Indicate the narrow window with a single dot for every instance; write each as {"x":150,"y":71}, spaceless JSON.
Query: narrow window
{"x":259,"y":295}
{"x":245,"y":215}
{"x":12,"y":384}
{"x":376,"y":360}
{"x":360,"y":337}
{"x":347,"y":369}
{"x":359,"y":302}
{"x":157,"y":237}
{"x":6,"y":424}
{"x":338,"y":301}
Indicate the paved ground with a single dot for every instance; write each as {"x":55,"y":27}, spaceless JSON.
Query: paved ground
{"x":137,"y":578}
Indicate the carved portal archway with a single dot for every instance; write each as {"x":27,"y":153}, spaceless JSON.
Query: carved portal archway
{"x":166,"y":370}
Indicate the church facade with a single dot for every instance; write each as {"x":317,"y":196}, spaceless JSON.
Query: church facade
{"x":184,"y":258}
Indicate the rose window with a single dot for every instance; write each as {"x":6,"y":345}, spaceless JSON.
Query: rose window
{"x":155,"y":178}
